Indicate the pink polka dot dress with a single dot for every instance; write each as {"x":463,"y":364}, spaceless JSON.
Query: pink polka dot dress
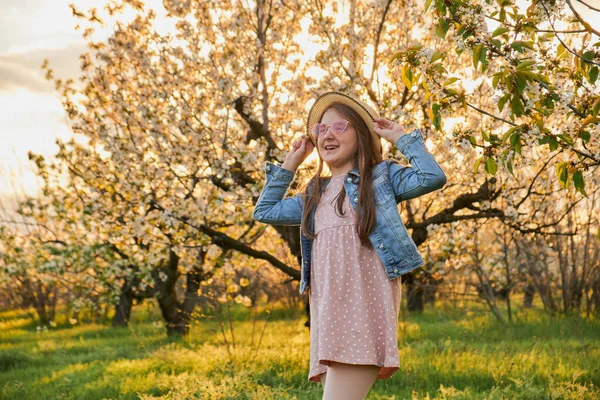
{"x":354,"y":307}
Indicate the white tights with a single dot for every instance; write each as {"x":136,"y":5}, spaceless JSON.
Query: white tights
{"x":348,"y":381}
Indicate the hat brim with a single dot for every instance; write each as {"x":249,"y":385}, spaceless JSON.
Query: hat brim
{"x":367,"y":113}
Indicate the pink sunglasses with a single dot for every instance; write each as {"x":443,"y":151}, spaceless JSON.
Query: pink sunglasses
{"x":336,"y":127}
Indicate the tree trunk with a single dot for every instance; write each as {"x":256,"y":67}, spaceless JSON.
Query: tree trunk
{"x":167,"y":296}
{"x":123,"y":308}
{"x":193,"y":279}
{"x":529,"y":295}
{"x":178,"y":315}
{"x":414,"y":295}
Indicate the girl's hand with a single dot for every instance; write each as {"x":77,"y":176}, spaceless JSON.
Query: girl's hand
{"x":389,"y":130}
{"x":301,"y":149}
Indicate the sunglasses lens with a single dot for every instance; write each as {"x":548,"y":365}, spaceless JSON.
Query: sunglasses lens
{"x":323,"y":128}
{"x":316,"y":130}
{"x":338,"y":127}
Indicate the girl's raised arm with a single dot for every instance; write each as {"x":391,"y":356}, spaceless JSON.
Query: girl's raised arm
{"x":271,"y":208}
{"x":423,"y":177}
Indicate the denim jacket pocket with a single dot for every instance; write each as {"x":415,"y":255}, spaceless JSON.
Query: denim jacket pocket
{"x":382,"y":190}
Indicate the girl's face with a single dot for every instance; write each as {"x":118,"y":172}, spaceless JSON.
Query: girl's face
{"x":338,"y":158}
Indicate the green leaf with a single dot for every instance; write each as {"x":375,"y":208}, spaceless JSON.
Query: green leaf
{"x":483,"y":59}
{"x":494,"y":139}
{"x":517,"y":145}
{"x":584,"y":135}
{"x":490,"y":166}
{"x":514,"y":139}
{"x":589,"y":55}
{"x":496,"y":78}
{"x":440,"y":68}
{"x":579,"y":183}
{"x":562,"y":172}
{"x":521,"y":81}
{"x":436,"y":56}
{"x":508,"y":133}
{"x":442,"y":28}
{"x":593,"y":74}
{"x":560,"y":50}
{"x":517,"y":46}
{"x":396,"y":56}
{"x":553,"y":143}
{"x":566,"y":138}
{"x":548,"y":102}
{"x":503,"y":101}
{"x":476,"y":165}
{"x":509,"y":166}
{"x":407,"y":76}
{"x":528,"y":44}
{"x":437,"y":118}
{"x":590,"y":119}
{"x":508,"y":81}
{"x":517,"y":106}
{"x":440,"y":6}
{"x":427,"y":4}
{"x":485,"y":135}
{"x":596,"y":108}
{"x":497,"y":43}
{"x":450,"y":81}
{"x":525,"y":64}
{"x":515,"y":142}
{"x":477,"y":54}
{"x":499,"y":31}
{"x":473,"y":141}
{"x":530,"y":75}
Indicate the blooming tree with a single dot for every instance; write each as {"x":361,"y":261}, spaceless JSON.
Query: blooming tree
{"x":176,"y":126}
{"x":541,"y":80}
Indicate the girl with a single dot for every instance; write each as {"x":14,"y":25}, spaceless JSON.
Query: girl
{"x":354,"y":243}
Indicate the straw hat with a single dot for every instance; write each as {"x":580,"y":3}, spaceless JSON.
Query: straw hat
{"x":367,"y":113}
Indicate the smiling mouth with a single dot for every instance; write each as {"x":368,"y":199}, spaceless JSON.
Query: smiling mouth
{"x":330,"y":148}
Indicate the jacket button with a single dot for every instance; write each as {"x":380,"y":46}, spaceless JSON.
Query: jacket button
{"x":381,"y":246}
{"x":395,"y":269}
{"x":349,"y":180}
{"x":355,"y":199}
{"x":268,"y":168}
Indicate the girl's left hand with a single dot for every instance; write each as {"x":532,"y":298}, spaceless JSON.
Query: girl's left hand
{"x":389,"y":130}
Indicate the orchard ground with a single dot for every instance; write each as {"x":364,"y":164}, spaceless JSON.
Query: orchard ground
{"x":445,"y":353}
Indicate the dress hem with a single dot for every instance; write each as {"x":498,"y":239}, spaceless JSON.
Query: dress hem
{"x":385,"y":371}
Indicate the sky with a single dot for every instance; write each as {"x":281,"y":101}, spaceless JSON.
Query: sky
{"x":31,"y":115}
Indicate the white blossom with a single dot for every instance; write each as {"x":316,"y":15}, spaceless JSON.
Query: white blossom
{"x":511,"y":212}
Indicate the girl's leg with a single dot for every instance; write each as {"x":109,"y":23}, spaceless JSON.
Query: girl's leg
{"x":349,"y":381}
{"x":323,"y":377}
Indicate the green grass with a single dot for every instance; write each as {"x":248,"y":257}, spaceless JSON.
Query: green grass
{"x":444,"y":354}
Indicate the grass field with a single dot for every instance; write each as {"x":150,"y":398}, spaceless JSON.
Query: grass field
{"x":444,"y":354}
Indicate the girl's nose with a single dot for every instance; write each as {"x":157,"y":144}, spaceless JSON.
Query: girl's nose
{"x":327,"y":133}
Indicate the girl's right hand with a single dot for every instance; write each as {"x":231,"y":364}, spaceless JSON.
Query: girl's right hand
{"x":301,"y":149}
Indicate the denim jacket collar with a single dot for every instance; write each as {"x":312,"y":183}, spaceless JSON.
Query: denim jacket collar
{"x":355,"y":172}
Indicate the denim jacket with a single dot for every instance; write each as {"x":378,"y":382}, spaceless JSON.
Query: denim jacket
{"x":391,"y":182}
